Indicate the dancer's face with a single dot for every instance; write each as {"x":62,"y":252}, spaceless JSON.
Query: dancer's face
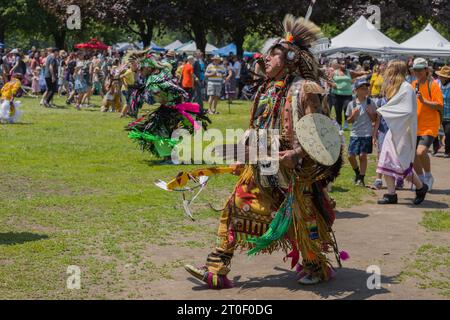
{"x":274,"y":63}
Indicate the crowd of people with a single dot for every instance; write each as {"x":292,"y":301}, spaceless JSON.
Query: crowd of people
{"x":354,"y":92}
{"x":79,"y":75}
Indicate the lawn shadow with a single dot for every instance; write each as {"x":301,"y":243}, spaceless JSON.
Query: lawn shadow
{"x":350,"y":215}
{"x":339,"y":189}
{"x":349,"y":282}
{"x":9,"y":238}
{"x":19,"y":123}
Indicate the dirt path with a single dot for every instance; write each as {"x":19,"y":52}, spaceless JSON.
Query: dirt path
{"x":372,"y":234}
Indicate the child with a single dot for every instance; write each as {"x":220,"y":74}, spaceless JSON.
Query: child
{"x":80,"y":85}
{"x":9,"y":109}
{"x":97,"y":80}
{"x":35,"y":87}
{"x":361,"y":113}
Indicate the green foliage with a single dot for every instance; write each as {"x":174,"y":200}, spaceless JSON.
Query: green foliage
{"x":253,"y":42}
{"x":330,"y":30}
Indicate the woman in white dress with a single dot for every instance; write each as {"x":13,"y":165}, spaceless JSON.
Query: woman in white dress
{"x":399,"y":147}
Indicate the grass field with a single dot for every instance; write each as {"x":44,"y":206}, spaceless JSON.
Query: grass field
{"x":74,"y":190}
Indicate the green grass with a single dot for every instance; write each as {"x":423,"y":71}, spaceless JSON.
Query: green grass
{"x":74,"y":190}
{"x":438,"y":220}
{"x":429,"y":266}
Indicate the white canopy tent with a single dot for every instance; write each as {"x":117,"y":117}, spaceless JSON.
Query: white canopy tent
{"x":361,"y":36}
{"x":428,"y":38}
{"x":427,"y":42}
{"x":174,"y":45}
{"x":191,"y":47}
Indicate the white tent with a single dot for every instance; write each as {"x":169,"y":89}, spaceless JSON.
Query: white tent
{"x":191,"y":47}
{"x":361,"y":36}
{"x":428,"y":38}
{"x":427,"y":43}
{"x":174,"y":45}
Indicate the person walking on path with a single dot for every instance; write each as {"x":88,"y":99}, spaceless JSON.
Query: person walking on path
{"x":429,"y":107}
{"x":444,"y":79}
{"x":399,"y":146}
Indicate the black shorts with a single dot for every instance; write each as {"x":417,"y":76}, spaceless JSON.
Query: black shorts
{"x":426,"y":141}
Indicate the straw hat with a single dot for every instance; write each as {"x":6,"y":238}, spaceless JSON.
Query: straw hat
{"x":216,"y":57}
{"x":444,"y":72}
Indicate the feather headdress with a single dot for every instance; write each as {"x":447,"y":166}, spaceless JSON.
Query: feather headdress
{"x":299,"y":31}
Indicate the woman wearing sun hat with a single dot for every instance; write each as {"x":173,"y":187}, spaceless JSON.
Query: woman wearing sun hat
{"x":444,"y":81}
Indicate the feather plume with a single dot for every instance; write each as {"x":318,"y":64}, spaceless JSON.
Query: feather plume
{"x":304,"y":32}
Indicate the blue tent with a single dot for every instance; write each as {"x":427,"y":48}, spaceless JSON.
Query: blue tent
{"x":230,"y":48}
{"x":2,"y":45}
{"x":155,"y":47}
{"x":225,"y":51}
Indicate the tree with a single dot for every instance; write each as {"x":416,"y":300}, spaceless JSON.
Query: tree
{"x":10,"y":14}
{"x":196,"y":18}
{"x":140,"y":17}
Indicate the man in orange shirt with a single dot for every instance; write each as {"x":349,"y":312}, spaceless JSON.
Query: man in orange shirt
{"x":188,"y":76}
{"x":430,"y":104}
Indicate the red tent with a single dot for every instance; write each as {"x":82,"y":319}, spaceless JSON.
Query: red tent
{"x":92,"y":44}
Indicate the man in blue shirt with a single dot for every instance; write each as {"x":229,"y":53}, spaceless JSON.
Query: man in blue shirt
{"x":444,"y":78}
{"x":199,"y":77}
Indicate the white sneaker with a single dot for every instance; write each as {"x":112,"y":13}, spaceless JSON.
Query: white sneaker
{"x":429,"y":182}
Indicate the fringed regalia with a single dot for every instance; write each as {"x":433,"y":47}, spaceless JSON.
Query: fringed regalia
{"x":9,"y":108}
{"x":154,"y":131}
{"x":290,"y":211}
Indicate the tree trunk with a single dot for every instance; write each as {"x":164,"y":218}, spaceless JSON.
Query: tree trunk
{"x":59,"y":37}
{"x":238,"y":39}
{"x":199,"y":36}
{"x":2,"y":33}
{"x":146,"y":31}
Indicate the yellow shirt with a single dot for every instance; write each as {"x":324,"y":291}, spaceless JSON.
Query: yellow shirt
{"x":376,"y":82}
{"x":127,"y":79}
{"x":10,"y":89}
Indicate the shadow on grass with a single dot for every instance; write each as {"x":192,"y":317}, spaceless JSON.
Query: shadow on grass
{"x":9,"y":238}
{"x":349,"y":284}
{"x":339,"y":189}
{"x":19,"y":123}
{"x":350,"y":215}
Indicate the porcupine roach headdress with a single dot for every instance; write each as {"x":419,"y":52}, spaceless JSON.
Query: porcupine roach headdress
{"x":298,"y":38}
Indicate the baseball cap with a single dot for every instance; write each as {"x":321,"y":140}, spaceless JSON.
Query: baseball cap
{"x":360,"y":82}
{"x":420,"y":63}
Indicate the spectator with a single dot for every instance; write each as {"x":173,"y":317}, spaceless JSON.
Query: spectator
{"x":444,"y":78}
{"x":230,"y":81}
{"x":199,"y":72}
{"x":215,"y":72}
{"x":35,"y":88}
{"x":187,"y":82}
{"x":51,"y":76}
{"x":342,"y":89}
{"x":128,"y":80}
{"x":429,"y":106}
{"x":398,"y":149}
{"x":237,"y":68}
{"x":376,"y":81}
{"x":361,"y":112}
